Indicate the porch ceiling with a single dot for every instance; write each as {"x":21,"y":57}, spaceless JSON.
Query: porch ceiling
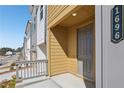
{"x":83,"y":14}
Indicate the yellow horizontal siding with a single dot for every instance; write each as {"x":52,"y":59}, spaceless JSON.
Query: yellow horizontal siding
{"x":56,"y":73}
{"x":58,"y":57}
{"x":72,"y":65}
{"x":58,"y":60}
{"x":58,"y":53}
{"x":58,"y":42}
{"x":54,"y":11}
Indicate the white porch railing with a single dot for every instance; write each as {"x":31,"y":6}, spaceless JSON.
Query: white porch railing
{"x":31,"y":69}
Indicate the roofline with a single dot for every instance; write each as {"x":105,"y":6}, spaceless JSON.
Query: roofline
{"x":28,"y":22}
{"x":32,"y":7}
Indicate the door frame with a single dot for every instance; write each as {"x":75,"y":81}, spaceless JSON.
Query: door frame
{"x":94,"y":42}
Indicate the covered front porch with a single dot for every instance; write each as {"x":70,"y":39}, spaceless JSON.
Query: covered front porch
{"x":70,"y":51}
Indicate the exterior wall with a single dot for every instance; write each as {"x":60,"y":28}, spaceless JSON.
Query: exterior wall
{"x":38,"y":46}
{"x":113,"y":59}
{"x":58,"y":51}
{"x":109,"y":56}
{"x":54,"y":11}
{"x":98,"y":46}
{"x":28,"y":40}
{"x":72,"y":51}
{"x":58,"y":59}
{"x":41,"y":46}
{"x":41,"y":26}
{"x":62,"y":49}
{"x":63,"y":55}
{"x":41,"y":53}
{"x":33,"y":45}
{"x":33,"y":32}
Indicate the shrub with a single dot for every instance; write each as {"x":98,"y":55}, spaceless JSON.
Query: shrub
{"x":8,"y":83}
{"x":12,"y":66}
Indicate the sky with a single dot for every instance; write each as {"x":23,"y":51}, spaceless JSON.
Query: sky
{"x":13,"y":21}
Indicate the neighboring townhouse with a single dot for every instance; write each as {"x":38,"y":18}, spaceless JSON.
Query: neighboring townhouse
{"x":39,"y":31}
{"x":28,"y":40}
{"x":87,"y":41}
{"x":35,"y":45}
{"x":33,"y":12}
{"x":35,"y":34}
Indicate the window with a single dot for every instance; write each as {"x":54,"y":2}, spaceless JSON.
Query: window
{"x":41,"y":12}
{"x":41,"y":7}
{"x":36,"y":10}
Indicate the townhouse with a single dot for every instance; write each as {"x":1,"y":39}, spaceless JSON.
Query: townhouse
{"x":35,"y":34}
{"x":39,"y":15}
{"x":84,"y":40}
{"x":28,"y":40}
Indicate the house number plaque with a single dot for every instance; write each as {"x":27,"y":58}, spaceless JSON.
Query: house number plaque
{"x":117,"y":33}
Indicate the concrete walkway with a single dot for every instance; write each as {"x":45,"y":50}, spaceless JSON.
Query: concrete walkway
{"x":66,"y":80}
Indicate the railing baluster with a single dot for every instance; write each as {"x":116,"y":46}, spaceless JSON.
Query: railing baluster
{"x":46,"y":68}
{"x":17,"y":70}
{"x":33,"y":70}
{"x":24,"y":71}
{"x":40,"y":68}
{"x":36,"y":68}
{"x":43,"y":68}
{"x":30,"y":69}
{"x":27,"y":70}
{"x":21,"y":70}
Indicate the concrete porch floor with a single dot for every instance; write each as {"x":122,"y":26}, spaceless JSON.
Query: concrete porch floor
{"x":66,"y":80}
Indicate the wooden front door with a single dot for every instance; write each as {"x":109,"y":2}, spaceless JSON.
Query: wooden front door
{"x":85,"y":52}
